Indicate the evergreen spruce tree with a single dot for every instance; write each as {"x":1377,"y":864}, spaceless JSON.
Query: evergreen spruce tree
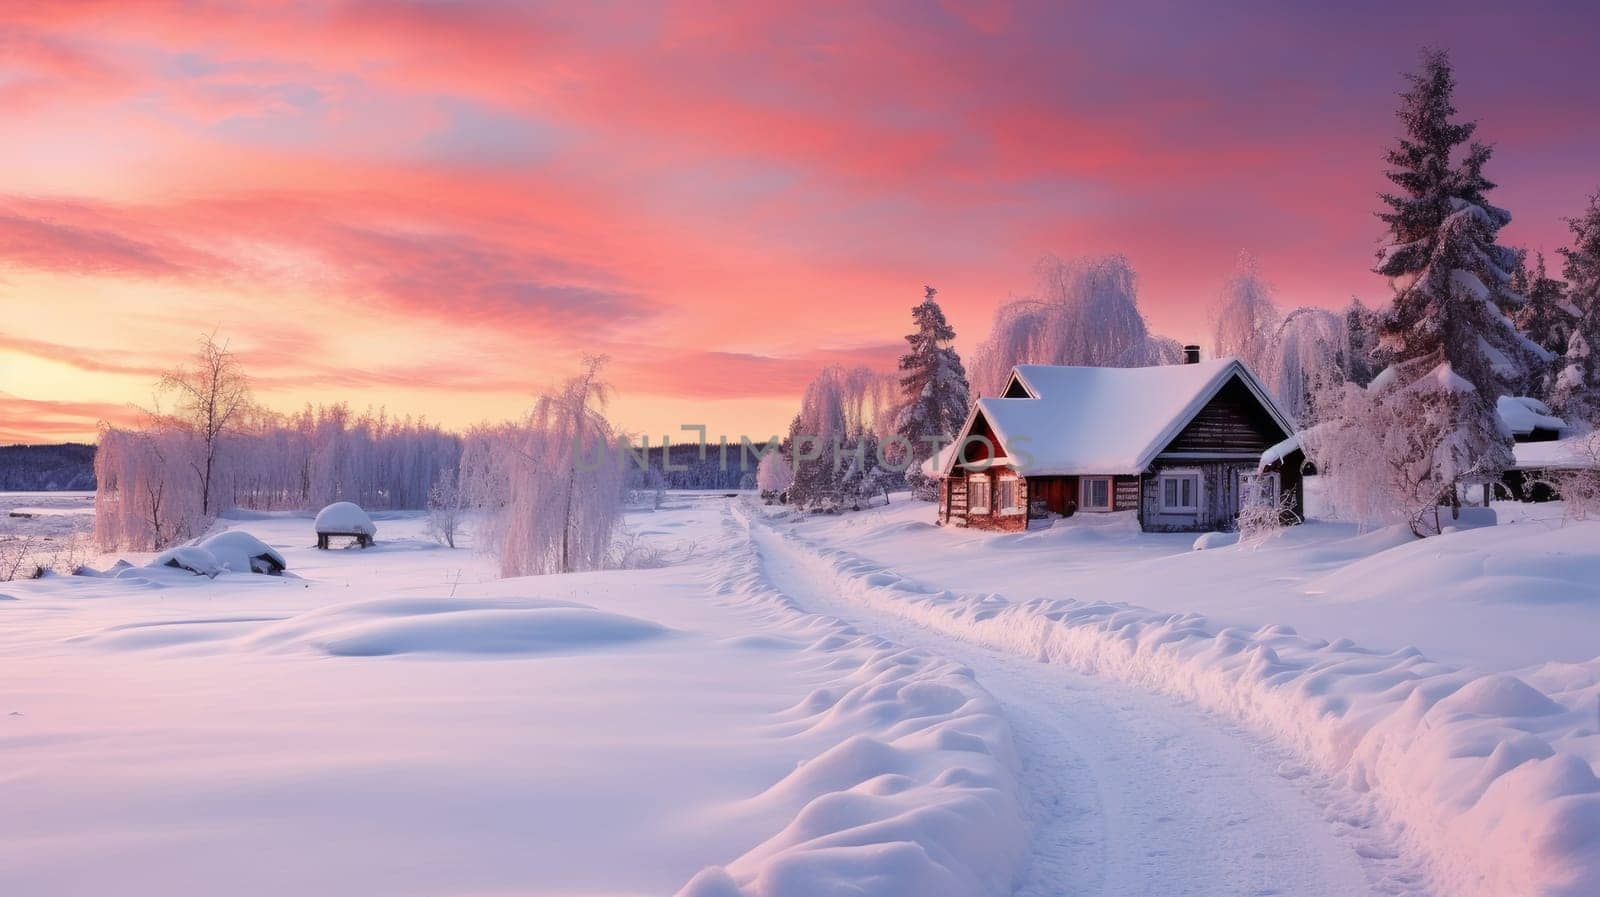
{"x":1361,"y":339}
{"x":1575,"y":392}
{"x":934,"y":384}
{"x":1451,"y":348}
{"x":1547,"y":319}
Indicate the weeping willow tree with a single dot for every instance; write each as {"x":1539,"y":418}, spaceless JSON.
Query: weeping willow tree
{"x":552,"y":486}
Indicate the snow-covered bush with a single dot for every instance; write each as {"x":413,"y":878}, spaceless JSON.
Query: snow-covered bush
{"x":1395,"y":452}
{"x":1262,"y":513}
{"x":444,"y":508}
{"x":774,"y":476}
{"x":833,"y":440}
{"x":1084,"y":312}
{"x":1579,"y":487}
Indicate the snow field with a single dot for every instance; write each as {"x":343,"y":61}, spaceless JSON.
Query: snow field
{"x":1489,"y":779}
{"x":398,"y":722}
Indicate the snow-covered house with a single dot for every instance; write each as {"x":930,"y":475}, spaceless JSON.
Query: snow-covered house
{"x":1179,"y":445}
{"x":1545,"y":449}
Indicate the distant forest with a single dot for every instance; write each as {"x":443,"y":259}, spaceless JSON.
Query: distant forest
{"x":47,"y":468}
{"x":70,"y":468}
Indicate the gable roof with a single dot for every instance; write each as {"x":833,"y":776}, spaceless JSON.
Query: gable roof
{"x":1094,"y":420}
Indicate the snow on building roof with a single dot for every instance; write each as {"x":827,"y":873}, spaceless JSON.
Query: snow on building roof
{"x":1279,"y":451}
{"x":1524,"y":414}
{"x":1095,"y":420}
{"x":1572,"y":453}
{"x":345,"y":517}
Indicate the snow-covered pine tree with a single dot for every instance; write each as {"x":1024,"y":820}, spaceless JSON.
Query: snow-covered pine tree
{"x":1447,"y":323}
{"x":1547,"y":319}
{"x":1576,"y":390}
{"x":1361,"y":336}
{"x":934,"y":385}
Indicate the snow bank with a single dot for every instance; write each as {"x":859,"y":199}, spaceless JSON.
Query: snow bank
{"x":198,"y":561}
{"x":915,"y":793}
{"x":240,"y":552}
{"x":345,"y":517}
{"x":1490,"y":779}
{"x":386,"y":626}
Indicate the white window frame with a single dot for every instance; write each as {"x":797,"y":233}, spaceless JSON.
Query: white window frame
{"x":988,"y":493}
{"x":1180,"y":474}
{"x":1084,"y":493}
{"x":1017,"y":506}
{"x":1272,"y":476}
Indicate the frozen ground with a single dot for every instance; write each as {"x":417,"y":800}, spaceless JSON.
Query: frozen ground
{"x":861,"y":704}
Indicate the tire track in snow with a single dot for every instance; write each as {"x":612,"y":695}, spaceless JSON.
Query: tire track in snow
{"x":1131,"y":793}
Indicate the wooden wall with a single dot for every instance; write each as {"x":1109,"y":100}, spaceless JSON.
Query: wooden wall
{"x":1232,"y":422}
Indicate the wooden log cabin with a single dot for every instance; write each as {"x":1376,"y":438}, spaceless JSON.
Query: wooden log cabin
{"x":1177,"y":445}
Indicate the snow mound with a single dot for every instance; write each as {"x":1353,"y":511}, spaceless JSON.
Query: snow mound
{"x":914,"y":791}
{"x":388,"y":626}
{"x":1215,"y":540}
{"x":345,"y":517}
{"x":239,"y":552}
{"x":196,"y":560}
{"x":1488,"y":779}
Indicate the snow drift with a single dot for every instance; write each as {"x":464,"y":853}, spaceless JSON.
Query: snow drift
{"x":386,"y":626}
{"x":1488,"y":778}
{"x":915,"y":794}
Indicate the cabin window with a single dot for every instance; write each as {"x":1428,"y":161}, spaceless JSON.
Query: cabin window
{"x":1179,"y":492}
{"x":1007,"y":496}
{"x":978,"y":494}
{"x":1262,"y":487}
{"x":1095,"y":494}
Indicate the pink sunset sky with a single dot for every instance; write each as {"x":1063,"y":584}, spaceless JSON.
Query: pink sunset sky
{"x":441,"y":206}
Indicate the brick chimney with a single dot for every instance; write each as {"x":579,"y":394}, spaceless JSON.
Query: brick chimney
{"x":1191,"y":354}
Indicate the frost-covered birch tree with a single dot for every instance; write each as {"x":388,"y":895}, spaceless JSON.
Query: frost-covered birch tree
{"x":934,"y":390}
{"x":212,"y":395}
{"x":1084,"y":312}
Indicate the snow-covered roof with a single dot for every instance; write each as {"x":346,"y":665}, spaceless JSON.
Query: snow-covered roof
{"x":1095,"y":420}
{"x":345,"y":517}
{"x":1572,"y":453}
{"x":1524,"y":414}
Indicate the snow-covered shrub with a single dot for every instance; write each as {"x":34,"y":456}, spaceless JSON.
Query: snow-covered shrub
{"x":444,"y":508}
{"x":1084,"y":312}
{"x":1261,"y":513}
{"x":1579,"y":487}
{"x":1395,"y":452}
{"x":774,"y":476}
{"x":833,"y":440}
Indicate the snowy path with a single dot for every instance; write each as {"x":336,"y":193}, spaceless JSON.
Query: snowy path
{"x":1130,"y":793}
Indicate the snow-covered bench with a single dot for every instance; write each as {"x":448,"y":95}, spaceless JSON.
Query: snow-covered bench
{"x":346,"y":519}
